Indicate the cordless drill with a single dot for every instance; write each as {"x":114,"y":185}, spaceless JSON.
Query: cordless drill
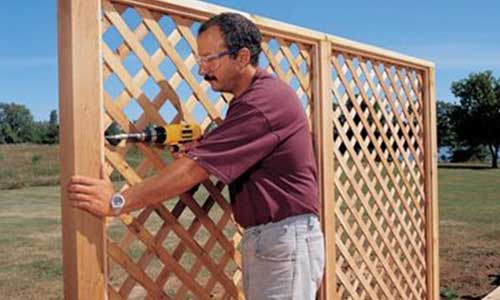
{"x":172,"y":135}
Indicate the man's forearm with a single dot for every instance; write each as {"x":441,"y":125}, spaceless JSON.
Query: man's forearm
{"x":175,"y":179}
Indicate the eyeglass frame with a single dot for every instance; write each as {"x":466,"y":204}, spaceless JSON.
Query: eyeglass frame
{"x":211,"y":57}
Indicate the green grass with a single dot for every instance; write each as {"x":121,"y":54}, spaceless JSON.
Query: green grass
{"x":470,"y":195}
{"x":28,"y":165}
{"x":30,"y":243}
{"x":25,"y":165}
{"x":30,"y":229}
{"x":469,"y":210}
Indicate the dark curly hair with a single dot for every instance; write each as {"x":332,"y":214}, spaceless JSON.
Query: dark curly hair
{"x":238,"y":32}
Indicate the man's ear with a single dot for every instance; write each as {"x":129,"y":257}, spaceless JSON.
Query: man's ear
{"x":244,"y":56}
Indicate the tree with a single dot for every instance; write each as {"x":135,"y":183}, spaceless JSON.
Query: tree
{"x":113,"y":129}
{"x":53,"y":120}
{"x":445,"y":124}
{"x":477,"y":119}
{"x":52,"y":133}
{"x":16,"y":124}
{"x":47,"y":132}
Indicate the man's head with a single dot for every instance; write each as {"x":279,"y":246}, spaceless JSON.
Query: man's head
{"x":228,"y":45}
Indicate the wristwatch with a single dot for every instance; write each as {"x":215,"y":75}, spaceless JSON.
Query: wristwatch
{"x":116,"y":203}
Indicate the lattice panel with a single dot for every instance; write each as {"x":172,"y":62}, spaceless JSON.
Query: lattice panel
{"x":290,"y":61}
{"x":379,"y":179}
{"x":185,"y":248}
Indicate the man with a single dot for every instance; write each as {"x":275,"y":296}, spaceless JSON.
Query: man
{"x":262,"y":150}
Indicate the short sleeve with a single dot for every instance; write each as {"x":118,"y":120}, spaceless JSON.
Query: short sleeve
{"x":238,"y":143}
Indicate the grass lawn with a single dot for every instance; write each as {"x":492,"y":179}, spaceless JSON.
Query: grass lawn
{"x":469,"y":210}
{"x":28,"y":165}
{"x":30,"y":243}
{"x":30,"y":231}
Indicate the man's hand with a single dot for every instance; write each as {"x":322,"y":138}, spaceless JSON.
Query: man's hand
{"x":91,"y":194}
{"x":182,"y":149}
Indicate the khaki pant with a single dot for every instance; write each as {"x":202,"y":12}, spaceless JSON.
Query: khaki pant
{"x":283,"y":260}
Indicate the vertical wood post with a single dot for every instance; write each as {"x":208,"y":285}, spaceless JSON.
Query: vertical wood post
{"x":81,"y":143}
{"x":323,"y":122}
{"x":431,"y":187}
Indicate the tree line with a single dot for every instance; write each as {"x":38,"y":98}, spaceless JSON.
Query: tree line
{"x":470,"y":129}
{"x":18,"y":126}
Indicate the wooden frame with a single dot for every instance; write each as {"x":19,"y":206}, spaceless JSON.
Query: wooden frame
{"x":324,"y":148}
{"x":80,"y":106}
{"x":432,"y":216}
{"x":372,"y":115}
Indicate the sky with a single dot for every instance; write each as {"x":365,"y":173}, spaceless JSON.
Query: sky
{"x":459,"y":36}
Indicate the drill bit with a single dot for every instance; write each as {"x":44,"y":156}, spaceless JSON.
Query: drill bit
{"x":157,"y":135}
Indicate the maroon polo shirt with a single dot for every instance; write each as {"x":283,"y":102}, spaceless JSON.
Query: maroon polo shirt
{"x":263,"y":151}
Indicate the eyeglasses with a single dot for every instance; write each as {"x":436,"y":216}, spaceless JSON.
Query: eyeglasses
{"x":211,"y":61}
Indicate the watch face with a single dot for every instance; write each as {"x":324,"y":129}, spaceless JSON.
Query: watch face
{"x":117,"y":201}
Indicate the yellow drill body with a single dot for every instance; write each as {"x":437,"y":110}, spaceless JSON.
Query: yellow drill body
{"x":181,"y":133}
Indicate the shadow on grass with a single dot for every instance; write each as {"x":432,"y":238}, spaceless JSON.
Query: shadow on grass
{"x":468,"y":297}
{"x":495,"y":283}
{"x":464,"y":166}
{"x":495,"y":279}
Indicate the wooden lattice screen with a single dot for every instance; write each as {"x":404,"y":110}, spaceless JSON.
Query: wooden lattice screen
{"x":371,"y":112}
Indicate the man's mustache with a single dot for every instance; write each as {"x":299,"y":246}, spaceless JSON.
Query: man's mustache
{"x":209,"y":78}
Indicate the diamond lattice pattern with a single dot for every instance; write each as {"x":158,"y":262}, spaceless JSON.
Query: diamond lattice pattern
{"x":379,"y":184}
{"x":187,"y":247}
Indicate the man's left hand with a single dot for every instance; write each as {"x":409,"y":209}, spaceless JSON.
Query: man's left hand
{"x":91,"y":194}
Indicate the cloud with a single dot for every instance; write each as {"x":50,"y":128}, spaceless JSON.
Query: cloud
{"x":27,"y":62}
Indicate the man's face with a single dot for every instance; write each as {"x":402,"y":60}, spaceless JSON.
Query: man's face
{"x":219,"y":70}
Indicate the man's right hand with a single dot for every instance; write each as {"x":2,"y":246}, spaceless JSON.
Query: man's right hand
{"x":182,"y":149}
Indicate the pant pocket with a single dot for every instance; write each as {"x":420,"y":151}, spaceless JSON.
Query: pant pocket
{"x":276,"y":244}
{"x":316,"y":249}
